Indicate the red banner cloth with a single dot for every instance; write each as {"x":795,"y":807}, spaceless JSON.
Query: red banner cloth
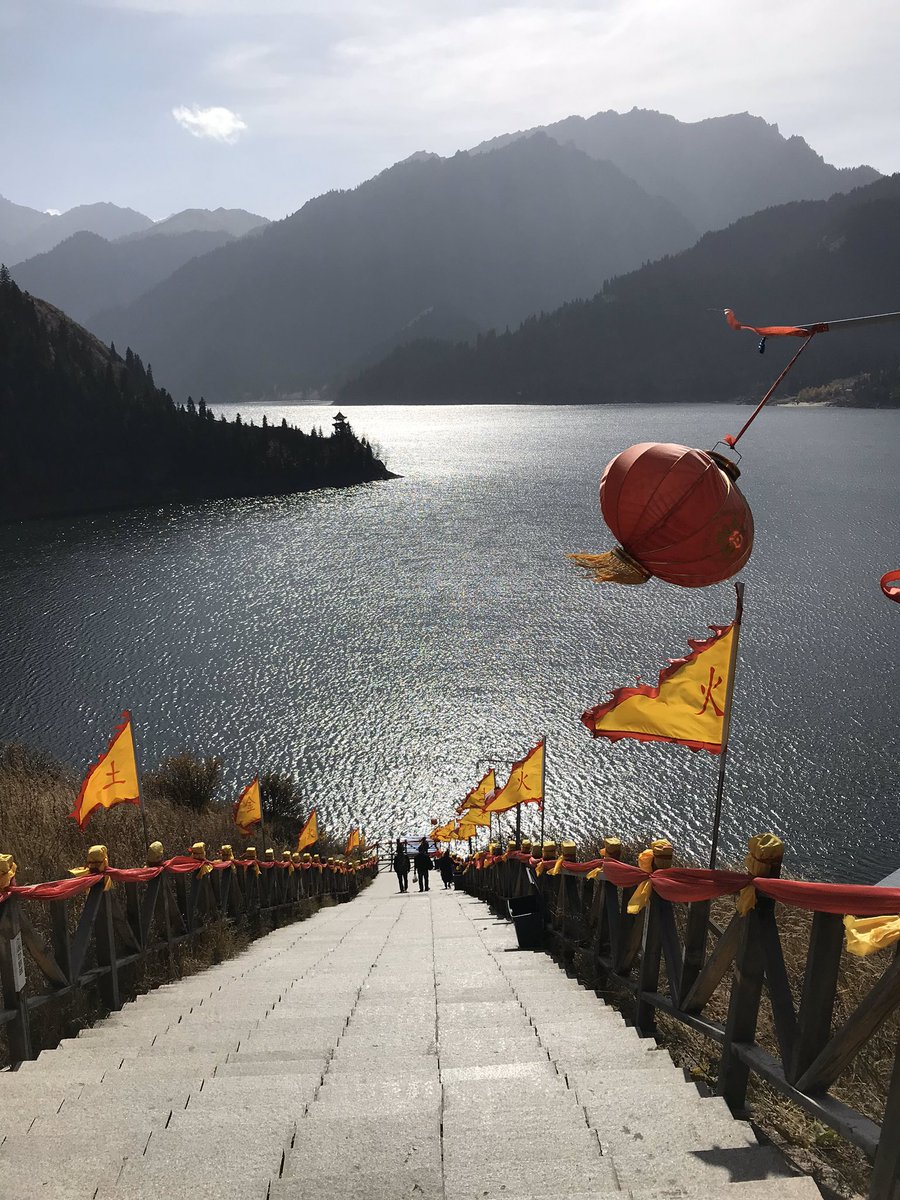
{"x":685,"y":886}
{"x":582,"y":868}
{"x":840,"y":898}
{"x":622,"y":874}
{"x":777,"y":330}
{"x":57,"y":889}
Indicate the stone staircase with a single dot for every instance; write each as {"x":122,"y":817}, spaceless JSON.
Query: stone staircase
{"x":398,"y":1046}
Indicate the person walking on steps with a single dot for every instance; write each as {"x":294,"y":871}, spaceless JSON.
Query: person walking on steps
{"x":423,"y":865}
{"x":446,"y":865}
{"x":401,"y":865}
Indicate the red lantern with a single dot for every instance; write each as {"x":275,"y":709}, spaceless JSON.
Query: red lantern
{"x":890,"y":585}
{"x":678,"y":515}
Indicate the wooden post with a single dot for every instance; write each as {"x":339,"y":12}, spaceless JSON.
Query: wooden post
{"x":743,"y":1007}
{"x":133,"y":914}
{"x":105,"y":941}
{"x":886,"y":1168}
{"x":823,"y":960}
{"x":651,"y":951}
{"x":12,"y":983}
{"x":695,"y":938}
{"x":59,"y":934}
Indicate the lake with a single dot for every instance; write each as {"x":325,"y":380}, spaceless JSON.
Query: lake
{"x":386,"y":642}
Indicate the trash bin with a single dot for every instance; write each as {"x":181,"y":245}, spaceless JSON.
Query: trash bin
{"x":525,"y":914}
{"x":458,"y":881}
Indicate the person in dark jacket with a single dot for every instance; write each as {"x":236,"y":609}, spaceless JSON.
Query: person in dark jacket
{"x":446,"y":866}
{"x":423,"y":865}
{"x":401,"y":865}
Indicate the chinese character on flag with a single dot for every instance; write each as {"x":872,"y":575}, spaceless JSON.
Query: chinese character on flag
{"x":247,"y":809}
{"x":686,"y":707}
{"x":309,"y":834}
{"x":525,"y":784}
{"x":114,"y":778}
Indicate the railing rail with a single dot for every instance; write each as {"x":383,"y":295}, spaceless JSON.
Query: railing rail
{"x":589,"y":917}
{"x":51,"y":948}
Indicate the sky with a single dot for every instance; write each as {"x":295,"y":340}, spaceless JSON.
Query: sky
{"x":161,"y":105}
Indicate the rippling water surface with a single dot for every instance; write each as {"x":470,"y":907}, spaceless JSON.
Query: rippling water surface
{"x":382,"y":640}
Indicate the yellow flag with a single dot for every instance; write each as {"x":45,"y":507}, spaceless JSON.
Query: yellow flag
{"x":113,"y":779}
{"x":687,"y":706}
{"x":247,"y":809}
{"x":465,"y":829}
{"x":525,"y":784}
{"x":352,"y":841}
{"x":309,"y":834}
{"x":480,"y":793}
{"x":443,"y":833}
{"x":475,"y":816}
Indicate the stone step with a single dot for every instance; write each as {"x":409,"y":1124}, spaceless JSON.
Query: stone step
{"x":650,"y":1167}
{"x":586,"y":1175}
{"x":782,"y":1189}
{"x":44,"y":1167}
{"x":395,"y":1184}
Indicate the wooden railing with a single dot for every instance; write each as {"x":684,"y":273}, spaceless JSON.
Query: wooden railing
{"x":51,"y":949}
{"x":670,"y":958}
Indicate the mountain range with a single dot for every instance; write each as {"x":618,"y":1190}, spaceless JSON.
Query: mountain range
{"x":457,"y":248}
{"x":25,"y":232}
{"x":489,"y":237}
{"x":658,"y":333}
{"x":86,"y":274}
{"x":713,"y":171}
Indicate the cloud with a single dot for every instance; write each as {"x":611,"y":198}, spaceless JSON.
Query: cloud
{"x":220,"y":124}
{"x":402,"y":76}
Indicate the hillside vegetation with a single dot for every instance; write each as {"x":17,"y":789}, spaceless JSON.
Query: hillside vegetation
{"x":483,"y":239}
{"x":658,"y":333}
{"x":82,"y":428}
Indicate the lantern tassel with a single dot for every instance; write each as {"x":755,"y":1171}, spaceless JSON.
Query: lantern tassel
{"x":616,"y":566}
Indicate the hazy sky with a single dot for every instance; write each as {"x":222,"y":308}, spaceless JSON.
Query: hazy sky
{"x":260,"y":104}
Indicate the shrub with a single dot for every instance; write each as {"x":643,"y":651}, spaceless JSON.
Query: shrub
{"x":186,"y":781}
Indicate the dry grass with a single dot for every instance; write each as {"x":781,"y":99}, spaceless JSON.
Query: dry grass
{"x":839,"y":1168}
{"x":37,"y":795}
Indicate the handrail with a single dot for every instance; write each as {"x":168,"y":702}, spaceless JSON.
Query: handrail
{"x":49,"y":951}
{"x":623,"y":921}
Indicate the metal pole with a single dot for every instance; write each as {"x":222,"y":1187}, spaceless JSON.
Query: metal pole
{"x":518,"y":826}
{"x":543,"y":789}
{"x":262,"y":819}
{"x":875,"y":319}
{"x":140,"y":789}
{"x":726,"y":722}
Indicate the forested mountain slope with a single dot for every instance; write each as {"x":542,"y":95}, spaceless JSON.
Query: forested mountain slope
{"x":82,"y":428}
{"x":658,"y":333}
{"x":488,"y":238}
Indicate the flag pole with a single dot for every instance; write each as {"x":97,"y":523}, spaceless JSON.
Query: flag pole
{"x":543,"y":798}
{"x":138,"y":777}
{"x":262,"y":817}
{"x":518,"y":826}
{"x":726,"y":722}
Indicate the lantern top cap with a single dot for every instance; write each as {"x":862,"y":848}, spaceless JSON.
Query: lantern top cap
{"x":728,"y":465}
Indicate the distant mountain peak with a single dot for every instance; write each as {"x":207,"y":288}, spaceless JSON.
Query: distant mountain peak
{"x":714,"y":170}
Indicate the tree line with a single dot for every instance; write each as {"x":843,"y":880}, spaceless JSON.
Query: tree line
{"x":84,"y":428}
